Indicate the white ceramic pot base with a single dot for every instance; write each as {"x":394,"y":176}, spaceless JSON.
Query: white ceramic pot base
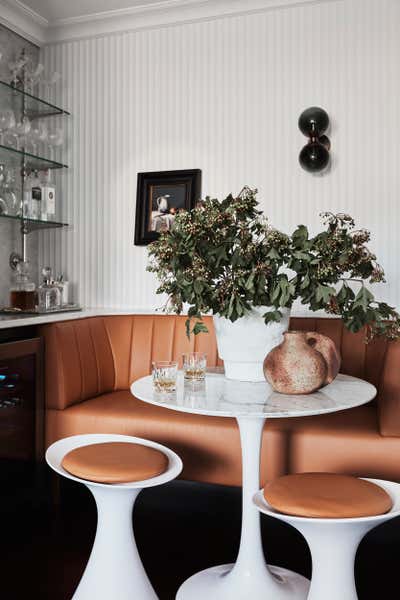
{"x":218,"y":583}
{"x":249,"y":578}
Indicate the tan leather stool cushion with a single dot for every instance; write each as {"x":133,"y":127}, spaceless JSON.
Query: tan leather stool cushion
{"x":326,"y":496}
{"x":115,"y":462}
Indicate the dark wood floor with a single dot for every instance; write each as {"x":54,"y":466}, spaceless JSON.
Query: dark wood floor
{"x":180,"y":528}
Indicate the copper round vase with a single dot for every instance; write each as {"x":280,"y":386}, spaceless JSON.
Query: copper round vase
{"x":302,"y":363}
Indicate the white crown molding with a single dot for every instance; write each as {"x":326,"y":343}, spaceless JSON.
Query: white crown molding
{"x":160,"y":13}
{"x":24,"y":21}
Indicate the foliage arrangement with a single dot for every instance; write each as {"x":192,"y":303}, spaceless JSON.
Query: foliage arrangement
{"x":225,"y":258}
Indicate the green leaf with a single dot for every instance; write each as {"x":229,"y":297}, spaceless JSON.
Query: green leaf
{"x":306,"y":282}
{"x":198,"y":286}
{"x":199,"y":328}
{"x":187,"y":325}
{"x":249,"y":285}
{"x":300,"y":255}
{"x":273,"y":253}
{"x":363,"y":299}
{"x":324,"y":293}
{"x":273,"y":317}
{"x":300,"y":236}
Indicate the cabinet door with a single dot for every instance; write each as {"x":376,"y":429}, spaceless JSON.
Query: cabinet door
{"x":21,"y":400}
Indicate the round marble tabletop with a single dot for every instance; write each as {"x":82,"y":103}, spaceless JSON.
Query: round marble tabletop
{"x":222,"y":397}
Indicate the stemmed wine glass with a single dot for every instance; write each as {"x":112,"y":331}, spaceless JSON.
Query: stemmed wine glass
{"x":17,"y":68}
{"x":7,"y":122}
{"x":9,"y":194}
{"x":37,"y":135}
{"x":32,"y":76}
{"x":19,"y":131}
{"x":8,"y":199}
{"x":55,"y":138}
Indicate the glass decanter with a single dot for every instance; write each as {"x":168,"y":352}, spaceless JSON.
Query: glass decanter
{"x":23,"y":290}
{"x":49,"y":293}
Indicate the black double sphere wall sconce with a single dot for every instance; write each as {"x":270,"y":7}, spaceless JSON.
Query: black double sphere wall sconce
{"x":314,"y":157}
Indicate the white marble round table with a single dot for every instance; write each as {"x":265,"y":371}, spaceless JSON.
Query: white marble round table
{"x":250,"y":404}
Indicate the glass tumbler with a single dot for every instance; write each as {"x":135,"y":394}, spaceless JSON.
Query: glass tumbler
{"x":164,"y":376}
{"x":194,"y":366}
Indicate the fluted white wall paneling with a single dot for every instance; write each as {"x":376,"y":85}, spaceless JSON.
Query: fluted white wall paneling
{"x":224,"y":95}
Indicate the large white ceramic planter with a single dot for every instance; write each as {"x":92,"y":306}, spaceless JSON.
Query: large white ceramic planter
{"x":244,"y":344}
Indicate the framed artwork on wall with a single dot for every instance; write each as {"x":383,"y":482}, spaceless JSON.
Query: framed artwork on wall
{"x":160,"y":196}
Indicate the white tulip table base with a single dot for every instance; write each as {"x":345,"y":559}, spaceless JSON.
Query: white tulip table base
{"x":229,"y":581}
{"x":249,"y":578}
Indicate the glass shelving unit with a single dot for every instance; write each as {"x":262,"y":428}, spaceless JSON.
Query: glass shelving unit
{"x":15,"y":158}
{"x":35,"y":224}
{"x":22,"y":102}
{"x":27,"y":105}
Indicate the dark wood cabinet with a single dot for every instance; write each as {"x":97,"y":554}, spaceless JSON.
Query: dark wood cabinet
{"x":21,"y":401}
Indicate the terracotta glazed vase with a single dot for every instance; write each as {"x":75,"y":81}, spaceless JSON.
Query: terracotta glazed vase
{"x":302,"y":363}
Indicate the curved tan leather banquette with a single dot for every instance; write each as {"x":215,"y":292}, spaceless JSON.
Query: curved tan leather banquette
{"x":90,"y":364}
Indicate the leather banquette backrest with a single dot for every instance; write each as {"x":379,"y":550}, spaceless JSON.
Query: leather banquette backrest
{"x":88,"y":357}
{"x":92,"y":356}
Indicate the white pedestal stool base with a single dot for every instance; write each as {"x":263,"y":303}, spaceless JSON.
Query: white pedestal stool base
{"x":114,"y":570}
{"x":333,"y":544}
{"x":218,"y":583}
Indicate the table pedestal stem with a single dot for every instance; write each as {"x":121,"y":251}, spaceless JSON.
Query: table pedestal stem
{"x":249,"y":577}
{"x":250,"y":560}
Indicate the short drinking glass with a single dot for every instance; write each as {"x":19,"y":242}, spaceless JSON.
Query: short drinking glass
{"x":164,"y":376}
{"x":194,"y":366}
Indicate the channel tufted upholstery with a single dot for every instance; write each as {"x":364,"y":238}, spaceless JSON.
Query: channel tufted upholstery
{"x":90,"y":364}
{"x":89,"y":357}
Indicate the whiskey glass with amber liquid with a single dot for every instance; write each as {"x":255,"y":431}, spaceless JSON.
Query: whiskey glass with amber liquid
{"x":164,"y":376}
{"x":194,"y":366}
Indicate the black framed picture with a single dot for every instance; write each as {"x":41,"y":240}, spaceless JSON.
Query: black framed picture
{"x":160,"y":196}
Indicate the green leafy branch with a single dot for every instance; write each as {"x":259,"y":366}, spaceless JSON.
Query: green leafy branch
{"x":225,"y":258}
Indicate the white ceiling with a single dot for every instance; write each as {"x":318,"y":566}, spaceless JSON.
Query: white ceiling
{"x":54,"y":10}
{"x":51,"y":21}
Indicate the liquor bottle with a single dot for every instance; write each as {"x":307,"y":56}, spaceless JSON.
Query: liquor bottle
{"x":22,"y":292}
{"x":49,"y":293}
{"x":48,"y":196}
{"x":35,"y":210}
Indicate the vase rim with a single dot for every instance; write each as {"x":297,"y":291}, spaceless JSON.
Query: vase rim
{"x":295,"y":332}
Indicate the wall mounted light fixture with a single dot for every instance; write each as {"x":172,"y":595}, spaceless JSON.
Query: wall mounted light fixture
{"x":313,"y":122}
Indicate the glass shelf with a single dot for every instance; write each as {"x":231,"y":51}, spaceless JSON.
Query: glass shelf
{"x":18,"y":158}
{"x":34,"y":224}
{"x":20,"y":101}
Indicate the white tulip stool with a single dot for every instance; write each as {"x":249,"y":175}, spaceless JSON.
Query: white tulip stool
{"x":333,"y":513}
{"x":115,"y":468}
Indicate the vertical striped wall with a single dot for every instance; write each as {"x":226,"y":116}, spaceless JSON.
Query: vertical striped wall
{"x":224,"y":95}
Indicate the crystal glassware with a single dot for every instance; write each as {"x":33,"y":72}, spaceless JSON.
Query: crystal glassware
{"x":21,"y":129}
{"x":37,"y":135}
{"x":55,"y":138}
{"x":194,"y":366}
{"x":7,"y":122}
{"x":164,"y":376}
{"x":9,"y":194}
{"x":32,"y":76}
{"x":17,"y":70}
{"x":23,"y":291}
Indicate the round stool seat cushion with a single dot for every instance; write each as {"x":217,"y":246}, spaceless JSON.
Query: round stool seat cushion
{"x":115,"y":462}
{"x":326,"y":496}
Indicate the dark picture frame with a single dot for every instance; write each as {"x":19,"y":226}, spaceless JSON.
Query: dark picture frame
{"x":160,"y":195}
